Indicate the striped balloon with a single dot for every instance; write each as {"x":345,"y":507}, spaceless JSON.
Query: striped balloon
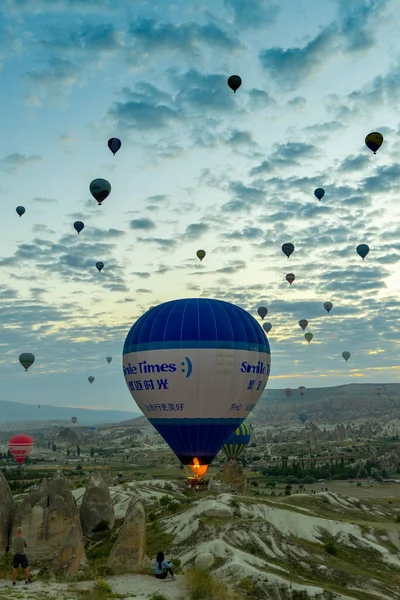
{"x":20,"y":447}
{"x":238,"y":441}
{"x":288,"y":249}
{"x":196,"y":368}
{"x":290,"y":277}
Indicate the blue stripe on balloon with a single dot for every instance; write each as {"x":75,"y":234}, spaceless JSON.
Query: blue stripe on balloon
{"x":195,"y":344}
{"x":191,"y":439}
{"x":198,"y":323}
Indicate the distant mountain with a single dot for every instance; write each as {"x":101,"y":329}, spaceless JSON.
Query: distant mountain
{"x":16,"y":412}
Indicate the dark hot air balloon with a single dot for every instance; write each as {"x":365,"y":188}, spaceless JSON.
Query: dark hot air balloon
{"x":309,"y":336}
{"x":200,"y":254}
{"x":26,"y":359}
{"x":267,"y":327}
{"x":288,"y":392}
{"x":78,"y":225}
{"x":319,"y":193}
{"x":346,"y":355}
{"x":74,"y":420}
{"x":374,"y":141}
{"x":99,"y":266}
{"x":114,"y":144}
{"x":263,"y":311}
{"x":362,"y":250}
{"x":303,"y":416}
{"x":303,"y":323}
{"x":109,"y":359}
{"x":287,"y":249}
{"x":91,"y":379}
{"x":290,"y":277}
{"x":100,"y":189}
{"x":20,"y":210}
{"x":302,"y":390}
{"x":234,"y":82}
{"x":328,"y":306}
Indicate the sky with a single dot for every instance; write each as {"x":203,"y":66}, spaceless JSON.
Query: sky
{"x":200,"y":168}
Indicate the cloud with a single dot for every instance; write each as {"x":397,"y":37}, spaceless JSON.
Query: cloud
{"x":162,"y":243}
{"x":205,"y":91}
{"x":144,"y":224}
{"x":253,"y":14}
{"x":292,"y":66}
{"x":42,"y":200}
{"x":185,"y":38}
{"x":195,"y":230}
{"x":16,"y":161}
{"x":358,"y":22}
{"x":59,"y":73}
{"x":146,"y":108}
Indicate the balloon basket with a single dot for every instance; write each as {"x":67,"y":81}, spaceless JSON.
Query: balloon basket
{"x":196,"y":484}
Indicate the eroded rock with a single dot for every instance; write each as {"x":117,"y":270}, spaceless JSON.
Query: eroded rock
{"x":96,"y":511}
{"x":128,"y":552}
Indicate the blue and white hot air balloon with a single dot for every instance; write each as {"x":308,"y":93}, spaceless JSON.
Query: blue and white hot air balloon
{"x":196,"y":368}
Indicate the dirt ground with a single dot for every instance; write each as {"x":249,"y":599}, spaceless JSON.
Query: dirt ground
{"x":365,"y":490}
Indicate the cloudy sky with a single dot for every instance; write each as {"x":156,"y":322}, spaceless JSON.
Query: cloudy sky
{"x":200,"y":167}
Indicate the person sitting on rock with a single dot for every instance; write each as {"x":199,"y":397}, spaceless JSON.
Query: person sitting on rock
{"x":162,"y":567}
{"x":19,"y":544}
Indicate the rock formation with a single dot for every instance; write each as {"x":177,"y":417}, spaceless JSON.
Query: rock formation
{"x":233,"y":476}
{"x":68,"y":437}
{"x":6,"y":513}
{"x":96,"y":511}
{"x":49,"y":519}
{"x":128,"y":552}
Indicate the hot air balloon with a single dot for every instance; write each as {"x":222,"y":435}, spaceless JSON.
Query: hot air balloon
{"x":288,"y":392}
{"x":346,"y":355}
{"x":290,"y":277}
{"x":99,"y":266}
{"x":196,"y":368}
{"x":78,"y":225}
{"x":74,"y":420}
{"x":114,"y":144}
{"x":91,"y":379}
{"x":328,"y":306}
{"x":263,"y":311}
{"x":303,"y":323}
{"x":234,"y":82}
{"x":109,"y":359}
{"x":303,"y":416}
{"x":238,"y":441}
{"x":287,"y":249}
{"x":100,"y":189}
{"x":267,"y":327}
{"x":302,"y":390}
{"x":309,"y":336}
{"x":200,"y":254}
{"x":374,"y":141}
{"x":379,"y":391}
{"x":26,"y":359}
{"x":362,"y":250}
{"x":319,"y":193}
{"x":20,"y":210}
{"x":39,"y":406}
{"x":20,"y":447}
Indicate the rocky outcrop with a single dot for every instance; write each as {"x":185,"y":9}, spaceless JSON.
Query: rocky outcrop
{"x":233,"y":476}
{"x":50,"y":521}
{"x":127,"y":554}
{"x":6,"y":513}
{"x":204,"y":561}
{"x":96,"y":511}
{"x":68,"y":437}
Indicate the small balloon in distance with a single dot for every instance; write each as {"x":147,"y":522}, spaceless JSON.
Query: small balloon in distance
{"x":100,"y":189}
{"x":374,"y":141}
{"x":200,"y":254}
{"x":78,"y":226}
{"x":303,"y":323}
{"x":99,"y":266}
{"x":328,"y":306}
{"x":287,"y":249}
{"x":362,"y":250}
{"x":290,"y":277}
{"x":20,"y":210}
{"x":26,"y":359}
{"x":109,"y":359}
{"x":319,"y":193}
{"x":267,"y":327}
{"x":234,"y":82}
{"x":263,"y":311}
{"x":114,"y":145}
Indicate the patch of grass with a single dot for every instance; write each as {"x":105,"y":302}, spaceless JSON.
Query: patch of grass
{"x":202,"y":586}
{"x":156,"y":539}
{"x":100,"y":591}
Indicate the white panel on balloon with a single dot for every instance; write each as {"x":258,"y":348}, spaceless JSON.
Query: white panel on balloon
{"x":225,"y":360}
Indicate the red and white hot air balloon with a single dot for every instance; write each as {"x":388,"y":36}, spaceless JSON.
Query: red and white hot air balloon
{"x":20,"y":447}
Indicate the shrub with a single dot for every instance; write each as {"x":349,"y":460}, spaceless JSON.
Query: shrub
{"x":331,"y":547}
{"x":102,"y":587}
{"x":202,"y":586}
{"x":158,"y":596}
{"x":398,"y":518}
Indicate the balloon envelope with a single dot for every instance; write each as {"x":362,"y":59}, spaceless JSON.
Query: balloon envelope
{"x":374,"y":141}
{"x":328,"y":306}
{"x":309,"y":336}
{"x":79,"y":225}
{"x":346,"y":355}
{"x":290,"y":277}
{"x":200,"y":254}
{"x":288,"y":392}
{"x":196,"y":368}
{"x":303,"y":323}
{"x":91,"y":379}
{"x":267,"y":327}
{"x":100,"y":189}
{"x":303,"y":416}
{"x":99,"y":266}
{"x":234,"y":82}
{"x":302,"y":390}
{"x":109,"y":359}
{"x":263,"y":311}
{"x":114,"y":144}
{"x":20,"y":210}
{"x":237,"y":442}
{"x":287,"y":249}
{"x":26,"y":359}
{"x":319,"y":193}
{"x":362,"y":250}
{"x":20,"y":447}
{"x":74,"y":420}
